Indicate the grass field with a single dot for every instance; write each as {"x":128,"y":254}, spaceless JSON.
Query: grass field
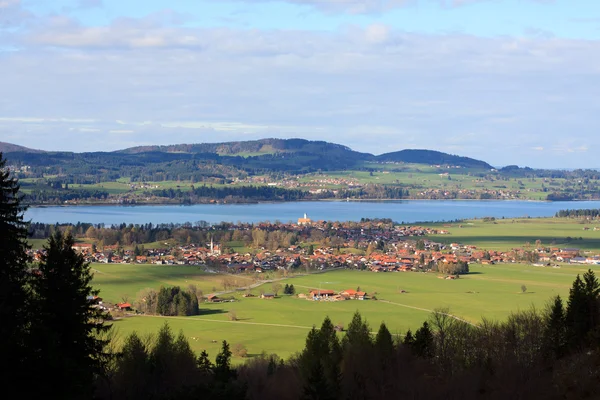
{"x":280,"y":325}
{"x":505,"y":234}
{"x":119,"y":281}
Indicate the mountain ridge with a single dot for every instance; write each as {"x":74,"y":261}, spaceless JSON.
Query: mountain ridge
{"x":282,"y":151}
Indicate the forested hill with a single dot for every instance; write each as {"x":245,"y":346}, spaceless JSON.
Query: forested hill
{"x":254,"y":147}
{"x":432,"y":157}
{"x":314,"y":148}
{"x":12,"y":148}
{"x":218,"y":162}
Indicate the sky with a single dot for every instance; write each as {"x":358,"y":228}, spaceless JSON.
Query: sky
{"x":504,"y":81}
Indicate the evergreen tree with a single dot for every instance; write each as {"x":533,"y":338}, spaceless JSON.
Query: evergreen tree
{"x":331,"y":358}
{"x":14,"y":295}
{"x":204,"y":364}
{"x":592,"y":291}
{"x":223,"y":363}
{"x":319,"y":363}
{"x":577,"y":315}
{"x":423,"y":343}
{"x":133,"y":369}
{"x":555,"y":331}
{"x":67,"y":328}
{"x":409,"y":339}
{"x":358,"y":333}
{"x":384,"y":345}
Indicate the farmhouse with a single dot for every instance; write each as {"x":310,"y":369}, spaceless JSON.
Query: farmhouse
{"x":315,"y":293}
{"x":124,"y":306}
{"x":352,"y":294}
{"x":213,"y":298}
{"x":268,"y":296}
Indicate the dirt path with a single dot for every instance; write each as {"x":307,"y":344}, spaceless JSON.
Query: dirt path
{"x":429,"y":311}
{"x":191,"y":319}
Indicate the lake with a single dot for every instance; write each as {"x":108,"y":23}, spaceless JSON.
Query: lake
{"x":400,"y":211}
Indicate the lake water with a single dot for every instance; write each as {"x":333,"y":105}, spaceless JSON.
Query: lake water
{"x":399,"y":211}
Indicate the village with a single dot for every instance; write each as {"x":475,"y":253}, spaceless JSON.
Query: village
{"x":375,"y":245}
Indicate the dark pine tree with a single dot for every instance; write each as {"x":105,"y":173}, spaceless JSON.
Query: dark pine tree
{"x":423,"y":342}
{"x":577,"y":315}
{"x":68,"y":330}
{"x":14,"y":296}
{"x":384,"y":345}
{"x":132,"y":370}
{"x":223,"y":370}
{"x":555,"y":335}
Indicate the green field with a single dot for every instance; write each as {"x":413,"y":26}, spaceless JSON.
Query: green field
{"x":280,"y":325}
{"x":117,"y":282}
{"x":505,"y":234}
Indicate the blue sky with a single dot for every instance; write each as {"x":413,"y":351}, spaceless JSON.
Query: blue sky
{"x":506,"y":81}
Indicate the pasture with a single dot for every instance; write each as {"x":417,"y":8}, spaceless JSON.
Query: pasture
{"x":280,"y":325}
{"x":506,"y":234}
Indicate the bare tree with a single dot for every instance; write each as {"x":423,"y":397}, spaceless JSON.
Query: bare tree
{"x":276,"y":288}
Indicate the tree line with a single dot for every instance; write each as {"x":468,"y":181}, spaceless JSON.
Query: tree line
{"x":584,"y":213}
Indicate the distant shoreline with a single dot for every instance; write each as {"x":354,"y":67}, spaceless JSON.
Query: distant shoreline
{"x":217,"y":203}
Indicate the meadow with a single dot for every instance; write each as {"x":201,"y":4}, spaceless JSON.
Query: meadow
{"x":506,"y":234}
{"x":404,"y":301}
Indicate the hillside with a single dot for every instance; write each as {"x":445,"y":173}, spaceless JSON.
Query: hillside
{"x":299,"y":155}
{"x":251,"y":147}
{"x":432,"y":157}
{"x":14,"y":148}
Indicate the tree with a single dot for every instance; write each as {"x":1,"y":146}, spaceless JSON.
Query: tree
{"x":276,"y":288}
{"x":423,"y":343}
{"x":555,"y":334}
{"x":582,"y":310}
{"x":67,"y":328}
{"x":523,"y":288}
{"x":239,"y":350}
{"x":358,"y":333}
{"x":577,"y":314}
{"x":14,"y":295}
{"x":223,"y":363}
{"x":409,"y":339}
{"x":203,"y":363}
{"x":133,"y":369}
{"x":384,"y":345}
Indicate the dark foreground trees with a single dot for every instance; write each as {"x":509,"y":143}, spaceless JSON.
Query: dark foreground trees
{"x":67,"y":331}
{"x":50,"y":332}
{"x":14,"y":292}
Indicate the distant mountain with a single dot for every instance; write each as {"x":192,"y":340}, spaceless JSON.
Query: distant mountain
{"x":235,"y":158}
{"x":313,"y":148}
{"x":431,"y":157}
{"x":15,"y":148}
{"x":250,"y":148}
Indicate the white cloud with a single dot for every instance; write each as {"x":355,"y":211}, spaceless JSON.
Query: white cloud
{"x":375,"y":89}
{"x":349,"y":6}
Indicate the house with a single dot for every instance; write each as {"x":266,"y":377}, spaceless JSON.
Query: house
{"x":269,"y":296}
{"x":94,"y":299}
{"x":124,"y":306}
{"x":213,"y":298}
{"x":82,"y":246}
{"x":321,"y":293}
